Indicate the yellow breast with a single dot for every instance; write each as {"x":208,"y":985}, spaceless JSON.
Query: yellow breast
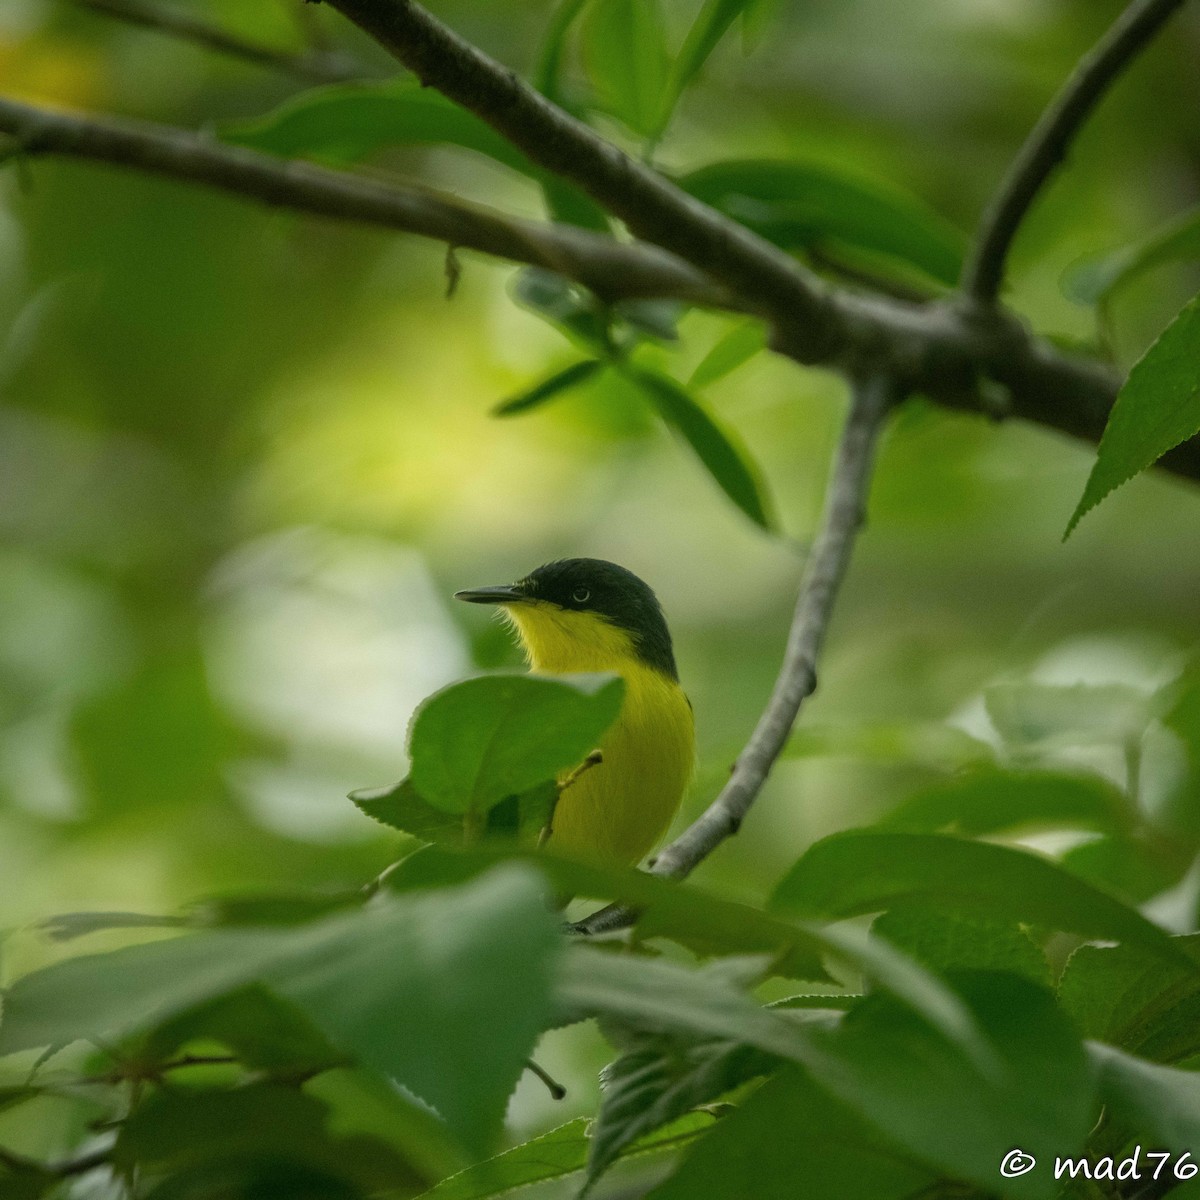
{"x":616,"y":811}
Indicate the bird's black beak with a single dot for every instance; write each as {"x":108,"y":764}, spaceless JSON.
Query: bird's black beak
{"x":507,"y":594}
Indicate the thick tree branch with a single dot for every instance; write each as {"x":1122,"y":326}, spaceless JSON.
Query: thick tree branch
{"x":1047,"y":144}
{"x":312,"y":67}
{"x":942,"y":349}
{"x":612,"y":269}
{"x":845,"y":510}
{"x":649,"y":204}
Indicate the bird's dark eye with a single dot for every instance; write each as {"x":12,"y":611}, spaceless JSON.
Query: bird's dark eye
{"x":581,"y":595}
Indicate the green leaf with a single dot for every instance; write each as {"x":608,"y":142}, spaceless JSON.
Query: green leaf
{"x":564,"y":202}
{"x":1157,"y":1103}
{"x":574,"y":312}
{"x":654,"y":994}
{"x":991,"y":800}
{"x":266,"y":1033}
{"x":1123,"y":995}
{"x":1129,"y":867}
{"x":946,"y":942}
{"x":726,"y":462}
{"x":553,"y":1155}
{"x":658,"y":319}
{"x":347,"y":122}
{"x":263,"y":1124}
{"x":864,"y":872}
{"x":26,"y":1181}
{"x":1093,"y":280}
{"x":560,"y":1151}
{"x":558,"y":383}
{"x":65,"y":927}
{"x":476,"y":742}
{"x":923,"y":1094}
{"x":931,"y":744}
{"x":1042,"y":714}
{"x":448,"y":962}
{"x":10,"y":1097}
{"x":659,"y":1079}
{"x":736,"y":347}
{"x":1156,"y":410}
{"x":402,"y":807}
{"x":792,"y":1130}
{"x":625,"y":54}
{"x":797,"y":205}
{"x":710,"y":26}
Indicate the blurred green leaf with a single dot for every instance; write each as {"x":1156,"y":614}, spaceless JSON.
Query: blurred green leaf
{"x":1156,"y":410}
{"x":566,"y":306}
{"x":797,"y":205}
{"x":920,"y":1092}
{"x":270,"y":908}
{"x":26,"y":1181}
{"x":1134,"y":868}
{"x":1029,"y":714}
{"x":929,"y":744}
{"x":478,"y":741}
{"x":557,"y":1153}
{"x":789,"y":1134}
{"x":943,"y":941}
{"x":347,"y":122}
{"x":547,"y":76}
{"x":10,"y":1097}
{"x":550,"y":388}
{"x":710,"y":26}
{"x":658,"y":319}
{"x":65,"y":927}
{"x":366,"y":1102}
{"x":625,"y":54}
{"x":659,"y":1079}
{"x":726,"y":461}
{"x":342,"y":124}
{"x":1094,"y":279}
{"x":402,"y":807}
{"x":863,"y":872}
{"x":991,"y":800}
{"x":265,"y":1032}
{"x":1123,"y":995}
{"x":262,"y":1124}
{"x":1158,"y":1103}
{"x":736,"y":347}
{"x":448,"y":962}
{"x":563,"y":202}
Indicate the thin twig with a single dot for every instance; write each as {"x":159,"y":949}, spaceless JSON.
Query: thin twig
{"x":845,"y":508}
{"x":311,"y":67}
{"x":1047,"y":144}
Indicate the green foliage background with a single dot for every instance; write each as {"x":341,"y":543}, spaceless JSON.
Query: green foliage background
{"x":245,"y":458}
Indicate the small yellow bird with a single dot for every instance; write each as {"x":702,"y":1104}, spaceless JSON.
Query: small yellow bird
{"x":588,"y":615}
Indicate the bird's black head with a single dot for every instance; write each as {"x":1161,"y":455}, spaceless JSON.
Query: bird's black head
{"x":596,"y":586}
